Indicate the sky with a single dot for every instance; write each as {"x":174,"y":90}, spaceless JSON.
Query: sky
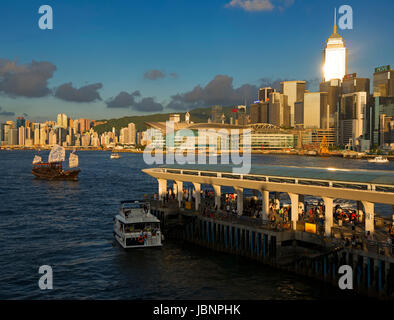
{"x":108,"y":59}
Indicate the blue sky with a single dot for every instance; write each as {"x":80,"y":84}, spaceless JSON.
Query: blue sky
{"x":108,"y":46}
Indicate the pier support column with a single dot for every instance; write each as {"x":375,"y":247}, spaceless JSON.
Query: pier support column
{"x":369,"y":216}
{"x":329,"y":217}
{"x":301,"y":203}
{"x":218,"y":194}
{"x":197,"y":194}
{"x":240,"y":200}
{"x":175,"y":189}
{"x":179,"y":186}
{"x":360,"y":212}
{"x":294,"y":210}
{"x":162,"y":188}
{"x":276,"y":201}
{"x":265,"y":203}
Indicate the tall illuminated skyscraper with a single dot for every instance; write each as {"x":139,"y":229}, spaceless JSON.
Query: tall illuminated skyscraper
{"x":62,"y":120}
{"x":334,"y":55}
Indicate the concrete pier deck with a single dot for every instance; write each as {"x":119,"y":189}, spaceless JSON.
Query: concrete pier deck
{"x":286,"y":239}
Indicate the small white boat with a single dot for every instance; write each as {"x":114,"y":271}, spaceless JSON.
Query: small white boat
{"x":136,"y":227}
{"x":379,"y":159}
{"x":115,"y":155}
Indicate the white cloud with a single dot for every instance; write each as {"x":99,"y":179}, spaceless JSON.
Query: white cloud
{"x":252,"y":5}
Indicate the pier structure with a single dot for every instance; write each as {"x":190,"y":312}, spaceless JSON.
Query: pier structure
{"x":364,"y":186}
{"x":313,"y":253}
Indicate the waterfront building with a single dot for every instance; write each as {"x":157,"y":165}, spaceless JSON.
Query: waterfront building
{"x":5,"y":129}
{"x":20,"y":122}
{"x":36,"y":136}
{"x":262,"y":141}
{"x":241,"y":118}
{"x":333,"y":89}
{"x":61,"y":133}
{"x":13,"y":136}
{"x":124,"y":136}
{"x":28,"y":136}
{"x":21,"y":136}
{"x":299,"y":114}
{"x":294,"y":90}
{"x":380,"y":110}
{"x":351,"y":84}
{"x":176,"y":117}
{"x":43,"y":135}
{"x":314,"y":137}
{"x":380,"y":122}
{"x":132,"y":133}
{"x":154,"y":137}
{"x":352,"y":119}
{"x":70,"y":123}
{"x":85,"y":140}
{"x":264,"y":93}
{"x":383,"y":82}
{"x":2,"y":133}
{"x":259,"y":112}
{"x":62,"y":120}
{"x":314,"y":110}
{"x":84,"y":125}
{"x":76,"y":126}
{"x":334,"y":56}
{"x":278,"y":110}
{"x":52,"y":140}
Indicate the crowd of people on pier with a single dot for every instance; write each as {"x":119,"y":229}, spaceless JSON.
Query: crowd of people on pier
{"x":279,"y":214}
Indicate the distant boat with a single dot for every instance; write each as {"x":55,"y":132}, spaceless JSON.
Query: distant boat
{"x":52,"y":170}
{"x":379,"y":159}
{"x":115,"y":155}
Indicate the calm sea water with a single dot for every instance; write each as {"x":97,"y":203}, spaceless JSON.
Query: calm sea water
{"x":68,"y":225}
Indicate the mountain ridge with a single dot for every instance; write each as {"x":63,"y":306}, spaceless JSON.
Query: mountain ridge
{"x":198,"y":115}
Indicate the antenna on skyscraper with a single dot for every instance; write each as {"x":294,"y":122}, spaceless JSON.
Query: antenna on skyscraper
{"x":335,"y":20}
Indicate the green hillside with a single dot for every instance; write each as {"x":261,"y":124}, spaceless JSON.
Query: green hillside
{"x":199,"y":115}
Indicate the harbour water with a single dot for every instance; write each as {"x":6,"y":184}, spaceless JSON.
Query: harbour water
{"x":68,"y":225}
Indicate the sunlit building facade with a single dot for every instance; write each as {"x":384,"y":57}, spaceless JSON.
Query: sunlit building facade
{"x":334,"y":56}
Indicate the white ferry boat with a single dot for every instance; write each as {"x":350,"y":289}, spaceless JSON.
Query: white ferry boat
{"x":136,"y":227}
{"x":379,"y":160}
{"x":115,"y":155}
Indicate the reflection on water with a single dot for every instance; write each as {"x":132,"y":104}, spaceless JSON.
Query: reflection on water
{"x":68,"y":225}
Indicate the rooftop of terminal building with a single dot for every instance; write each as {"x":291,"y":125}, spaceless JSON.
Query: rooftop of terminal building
{"x":383,"y":177}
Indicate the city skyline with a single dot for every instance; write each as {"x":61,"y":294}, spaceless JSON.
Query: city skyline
{"x":162,"y":81}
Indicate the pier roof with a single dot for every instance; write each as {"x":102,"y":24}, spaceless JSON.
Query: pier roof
{"x":331,"y":174}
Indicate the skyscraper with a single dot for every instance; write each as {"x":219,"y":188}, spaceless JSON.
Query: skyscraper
{"x":20,"y":122}
{"x":315,"y":111}
{"x":84,"y":125}
{"x":294,"y":90}
{"x":278,"y":110}
{"x":383,"y":82}
{"x":352,"y":118}
{"x":131,"y":133}
{"x":381,"y":111}
{"x":334,"y":56}
{"x":6,"y":128}
{"x":13,"y":137}
{"x":21,"y":136}
{"x":62,"y":120}
{"x":264,"y":93}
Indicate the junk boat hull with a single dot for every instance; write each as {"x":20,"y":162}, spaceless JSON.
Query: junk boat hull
{"x":50,"y":172}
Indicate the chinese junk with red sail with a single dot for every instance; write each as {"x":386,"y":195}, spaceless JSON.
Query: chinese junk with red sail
{"x":53,"y":170}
